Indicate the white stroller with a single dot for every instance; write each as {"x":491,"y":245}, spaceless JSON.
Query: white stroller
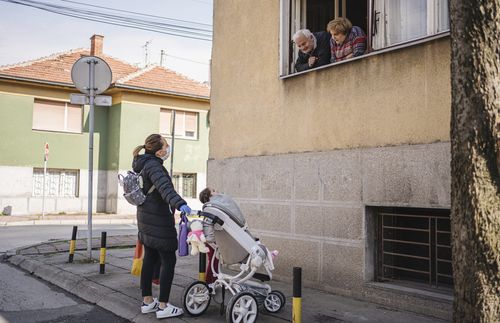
{"x":226,"y":232}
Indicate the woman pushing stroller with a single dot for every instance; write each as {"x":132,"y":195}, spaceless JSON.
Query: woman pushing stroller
{"x":156,"y":224}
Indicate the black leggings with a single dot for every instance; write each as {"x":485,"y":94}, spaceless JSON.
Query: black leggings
{"x":168,"y":260}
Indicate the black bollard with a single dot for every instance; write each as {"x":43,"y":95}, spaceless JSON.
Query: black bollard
{"x":72,"y":244}
{"x":297,"y":295}
{"x":202,"y":267}
{"x":102,"y":258}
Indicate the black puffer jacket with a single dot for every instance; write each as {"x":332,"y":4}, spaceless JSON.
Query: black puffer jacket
{"x":154,"y":219}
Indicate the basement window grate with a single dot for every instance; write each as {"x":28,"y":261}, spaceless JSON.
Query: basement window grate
{"x":414,"y":245}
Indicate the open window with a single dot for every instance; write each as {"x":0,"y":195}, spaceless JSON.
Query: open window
{"x":386,"y":22}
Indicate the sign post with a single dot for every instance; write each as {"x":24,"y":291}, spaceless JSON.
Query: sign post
{"x":92,"y":76}
{"x":45,"y":159}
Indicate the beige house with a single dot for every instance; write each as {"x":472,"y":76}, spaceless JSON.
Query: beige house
{"x":345,"y":169}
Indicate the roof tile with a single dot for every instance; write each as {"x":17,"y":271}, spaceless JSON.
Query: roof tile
{"x":57,"y":68}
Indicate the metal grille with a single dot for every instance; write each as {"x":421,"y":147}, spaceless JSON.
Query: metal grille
{"x":58,"y":183}
{"x":415,"y":246}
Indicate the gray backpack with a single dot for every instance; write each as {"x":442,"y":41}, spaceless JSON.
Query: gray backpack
{"x":132,"y":184}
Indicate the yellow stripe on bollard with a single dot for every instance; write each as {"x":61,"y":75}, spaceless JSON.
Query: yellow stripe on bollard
{"x":72,"y":245}
{"x":202,"y":277}
{"x":297,"y":309}
{"x":102,"y":258}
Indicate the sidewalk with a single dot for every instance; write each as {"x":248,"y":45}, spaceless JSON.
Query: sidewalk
{"x":118,"y":291}
{"x":67,"y":219}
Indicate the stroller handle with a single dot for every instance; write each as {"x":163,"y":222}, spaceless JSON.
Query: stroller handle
{"x":212,"y":217}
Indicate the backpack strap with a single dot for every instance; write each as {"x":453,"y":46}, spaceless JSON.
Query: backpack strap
{"x":152,"y":187}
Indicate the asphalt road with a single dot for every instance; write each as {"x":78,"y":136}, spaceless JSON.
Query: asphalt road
{"x":19,"y":236}
{"x":24,"y":298}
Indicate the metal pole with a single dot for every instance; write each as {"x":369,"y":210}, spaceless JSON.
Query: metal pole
{"x":172,"y":145}
{"x":91,"y":63}
{"x":43,"y":189}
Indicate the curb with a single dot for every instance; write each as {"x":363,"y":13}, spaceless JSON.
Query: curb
{"x":119,"y":304}
{"x":68,"y":222}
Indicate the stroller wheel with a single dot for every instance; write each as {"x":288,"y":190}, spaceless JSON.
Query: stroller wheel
{"x":242,"y":307}
{"x":274,"y":301}
{"x":196,"y":298}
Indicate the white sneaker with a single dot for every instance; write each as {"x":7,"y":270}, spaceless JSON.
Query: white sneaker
{"x":169,"y":311}
{"x":151,"y":307}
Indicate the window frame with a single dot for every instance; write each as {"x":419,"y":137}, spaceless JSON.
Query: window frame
{"x":434,"y":218}
{"x":60,"y":171}
{"x":183,"y":136}
{"x":178,"y":182}
{"x":288,"y":14}
{"x":65,"y":125}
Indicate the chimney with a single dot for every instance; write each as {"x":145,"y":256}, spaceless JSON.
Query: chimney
{"x":96,"y":45}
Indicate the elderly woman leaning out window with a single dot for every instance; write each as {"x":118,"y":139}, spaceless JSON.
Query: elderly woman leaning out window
{"x":347,"y":40}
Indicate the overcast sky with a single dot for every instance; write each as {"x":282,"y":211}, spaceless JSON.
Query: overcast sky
{"x":28,"y":33}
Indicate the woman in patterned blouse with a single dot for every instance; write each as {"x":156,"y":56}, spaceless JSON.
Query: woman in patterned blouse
{"x":347,"y":40}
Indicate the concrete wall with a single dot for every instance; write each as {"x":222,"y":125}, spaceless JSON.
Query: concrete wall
{"x":312,"y":207}
{"x":18,"y":193}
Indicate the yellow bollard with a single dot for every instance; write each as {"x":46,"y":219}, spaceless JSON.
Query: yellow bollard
{"x":102,"y":258}
{"x":297,"y":295}
{"x":72,"y":244}
{"x":202,"y":267}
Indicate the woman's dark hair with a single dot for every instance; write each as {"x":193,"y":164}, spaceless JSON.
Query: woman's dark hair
{"x":152,"y":144}
{"x":205,"y":195}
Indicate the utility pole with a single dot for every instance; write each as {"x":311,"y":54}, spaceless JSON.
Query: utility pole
{"x":162,"y":53}
{"x":146,"y":53}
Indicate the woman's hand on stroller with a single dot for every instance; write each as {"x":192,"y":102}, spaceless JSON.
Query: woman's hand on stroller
{"x":185,"y":209}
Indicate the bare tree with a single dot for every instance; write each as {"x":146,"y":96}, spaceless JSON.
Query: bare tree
{"x":475,"y":185}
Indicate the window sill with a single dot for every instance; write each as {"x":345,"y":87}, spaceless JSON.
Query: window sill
{"x":373,"y":53}
{"x":439,"y":295}
{"x":58,"y":131}
{"x":181,"y":138}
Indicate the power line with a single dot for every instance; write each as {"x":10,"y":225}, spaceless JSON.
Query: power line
{"x":138,"y":13}
{"x":185,"y":59}
{"x":123,"y":21}
{"x":204,"y":2}
{"x":119,"y":18}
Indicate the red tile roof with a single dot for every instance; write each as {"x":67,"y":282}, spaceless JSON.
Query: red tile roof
{"x":163,"y":79}
{"x":57,"y":68}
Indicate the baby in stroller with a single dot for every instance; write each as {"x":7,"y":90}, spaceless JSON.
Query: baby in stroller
{"x":248,"y":265}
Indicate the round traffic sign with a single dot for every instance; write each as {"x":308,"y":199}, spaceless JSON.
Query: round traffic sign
{"x":80,"y":74}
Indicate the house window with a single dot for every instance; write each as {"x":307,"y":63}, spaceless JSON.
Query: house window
{"x":186,"y":123}
{"x":385,"y":22}
{"x":57,"y":116}
{"x":185,"y":184}
{"x":414,"y":247}
{"x":58,"y":182}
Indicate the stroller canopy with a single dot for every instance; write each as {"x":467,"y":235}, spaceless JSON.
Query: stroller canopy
{"x":226,"y":204}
